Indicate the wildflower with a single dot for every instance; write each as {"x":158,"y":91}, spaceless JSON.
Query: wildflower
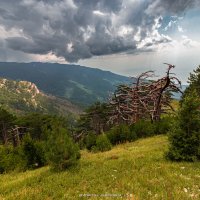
{"x":185,"y":190}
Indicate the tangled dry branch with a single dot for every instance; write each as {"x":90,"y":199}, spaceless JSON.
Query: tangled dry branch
{"x":144,"y":98}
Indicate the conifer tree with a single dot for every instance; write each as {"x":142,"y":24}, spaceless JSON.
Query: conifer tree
{"x":185,"y":136}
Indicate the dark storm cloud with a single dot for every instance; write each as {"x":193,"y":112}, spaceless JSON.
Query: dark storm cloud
{"x":103,"y":5}
{"x":79,"y":29}
{"x":7,"y":54}
{"x":176,"y":6}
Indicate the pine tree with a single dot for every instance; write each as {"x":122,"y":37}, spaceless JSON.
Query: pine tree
{"x":94,"y":119}
{"x":6,"y":122}
{"x":185,"y":135}
{"x":194,"y":82}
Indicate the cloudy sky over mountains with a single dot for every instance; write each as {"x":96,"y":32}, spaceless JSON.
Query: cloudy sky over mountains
{"x":124,"y":36}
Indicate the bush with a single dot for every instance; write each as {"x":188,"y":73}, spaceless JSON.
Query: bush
{"x":32,"y":152}
{"x":143,"y":128}
{"x":102,"y":143}
{"x":183,"y":146}
{"x":163,"y":126}
{"x":120,"y":134}
{"x":184,"y":136}
{"x":27,"y":155}
{"x":123,"y":133}
{"x":62,"y":152}
{"x":81,"y":143}
{"x":11,"y":159}
{"x":90,"y":140}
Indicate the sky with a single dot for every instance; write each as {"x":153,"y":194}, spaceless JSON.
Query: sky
{"x":123,"y":36}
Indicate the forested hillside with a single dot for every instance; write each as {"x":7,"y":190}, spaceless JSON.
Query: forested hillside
{"x":23,"y":97}
{"x":81,"y":85}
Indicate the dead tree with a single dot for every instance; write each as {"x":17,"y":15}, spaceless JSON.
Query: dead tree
{"x":143,"y":99}
{"x":16,"y":134}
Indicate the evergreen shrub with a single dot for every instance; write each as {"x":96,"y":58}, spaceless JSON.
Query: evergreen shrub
{"x":120,"y":134}
{"x":90,"y":140}
{"x":184,"y":136}
{"x":102,"y":143}
{"x":62,"y":152}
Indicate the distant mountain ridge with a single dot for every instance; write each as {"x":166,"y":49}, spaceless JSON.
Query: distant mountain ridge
{"x":78,"y":84}
{"x":23,"y":96}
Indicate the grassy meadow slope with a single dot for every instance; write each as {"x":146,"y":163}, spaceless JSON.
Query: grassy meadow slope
{"x":135,"y":169}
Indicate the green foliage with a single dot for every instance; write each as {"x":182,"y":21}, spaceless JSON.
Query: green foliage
{"x":163,"y":126}
{"x":32,"y":148}
{"x":62,"y":152}
{"x":11,"y":159}
{"x":194,"y":80}
{"x":95,"y":118}
{"x":6,"y":116}
{"x":97,"y":143}
{"x":183,"y":146}
{"x":120,"y":134}
{"x":34,"y":123}
{"x":143,"y":128}
{"x":40,"y":125}
{"x":123,"y":133}
{"x":6,"y":122}
{"x":81,"y":143}
{"x":28,"y":155}
{"x":185,"y":134}
{"x":90,"y":140}
{"x":194,"y":84}
{"x":102,"y":143}
{"x":32,"y":152}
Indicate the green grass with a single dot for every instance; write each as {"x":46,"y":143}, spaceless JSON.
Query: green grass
{"x":137,"y":168}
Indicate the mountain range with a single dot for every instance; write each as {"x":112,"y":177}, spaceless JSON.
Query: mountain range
{"x":77,"y":84}
{"x":56,"y":88}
